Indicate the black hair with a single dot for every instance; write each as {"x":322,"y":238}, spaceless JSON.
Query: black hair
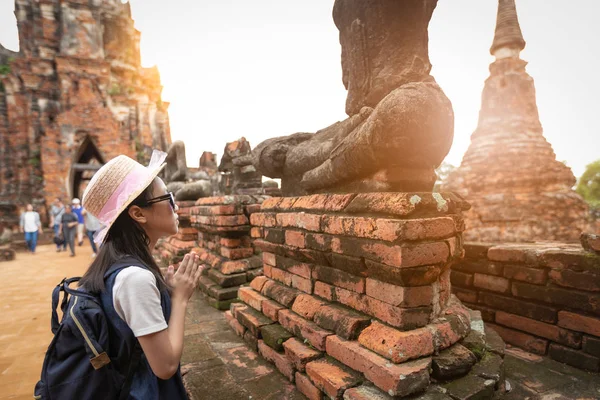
{"x":126,"y":238}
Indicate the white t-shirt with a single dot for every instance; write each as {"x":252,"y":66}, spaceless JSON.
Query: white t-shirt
{"x":137,"y":301}
{"x":30,"y":222}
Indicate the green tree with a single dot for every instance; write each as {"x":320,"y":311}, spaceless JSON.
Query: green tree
{"x":589,"y":184}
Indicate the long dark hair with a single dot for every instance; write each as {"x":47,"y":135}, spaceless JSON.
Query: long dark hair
{"x":126,"y":238}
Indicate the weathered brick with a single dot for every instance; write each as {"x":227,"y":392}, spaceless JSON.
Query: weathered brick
{"x":339,"y":278}
{"x":306,"y":387}
{"x":280,"y":275}
{"x":294,"y":267}
{"x":493,"y":283}
{"x":303,"y":284}
{"x":577,"y":280}
{"x":251,"y":319}
{"x":575,"y":358}
{"x":558,"y":296}
{"x":281,"y":294}
{"x":483,"y":267}
{"x":235,"y":324}
{"x":331,"y":377}
{"x":295,"y":239}
{"x":414,"y":276}
{"x":461,"y":279}
{"x":256,"y":232}
{"x":399,"y":295}
{"x":403,"y":318}
{"x":226,"y":280}
{"x":344,"y":322}
{"x":263,"y":219}
{"x":508,"y":253}
{"x":324,"y":202}
{"x":591,"y":345}
{"x":269,"y":259}
{"x":465,"y":295}
{"x":275,"y":236}
{"x":444,"y":335}
{"x":304,"y":329}
{"x":251,"y":297}
{"x":219,"y":293}
{"x":271,"y":309}
{"x":522,"y":340}
{"x":318,"y":241}
{"x":237,"y":253}
{"x":299,"y":353}
{"x":306,"y":306}
{"x":548,"y":331}
{"x":352,"y":265}
{"x":395,"y":345}
{"x":229,"y":242}
{"x":524,"y":274}
{"x":395,"y":379}
{"x":324,"y":290}
{"x":579,"y":323}
{"x":280,"y":360}
{"x":251,"y":340}
{"x":519,"y":307}
{"x":274,"y":336}
{"x":258,"y":283}
{"x":310,"y":222}
{"x":233,"y":267}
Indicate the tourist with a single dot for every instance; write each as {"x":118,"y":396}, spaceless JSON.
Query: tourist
{"x":136,"y":209}
{"x":30,"y":225}
{"x":56,"y":212}
{"x":92,"y":225}
{"x":78,"y":210}
{"x":68,"y":227}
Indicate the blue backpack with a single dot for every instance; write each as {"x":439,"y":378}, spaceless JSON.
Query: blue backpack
{"x":77,"y":365}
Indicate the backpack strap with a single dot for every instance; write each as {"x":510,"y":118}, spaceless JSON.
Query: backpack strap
{"x":136,"y":357}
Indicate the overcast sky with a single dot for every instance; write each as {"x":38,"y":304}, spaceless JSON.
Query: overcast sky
{"x":265,"y":68}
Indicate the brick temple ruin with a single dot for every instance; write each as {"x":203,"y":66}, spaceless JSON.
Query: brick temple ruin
{"x":509,"y":174}
{"x":72,"y":98}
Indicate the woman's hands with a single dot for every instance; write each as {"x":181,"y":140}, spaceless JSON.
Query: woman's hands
{"x":184,"y":281}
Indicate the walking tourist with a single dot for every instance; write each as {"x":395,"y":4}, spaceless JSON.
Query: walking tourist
{"x":78,"y":210}
{"x":136,"y":210}
{"x":92,"y":225}
{"x":56,"y":212}
{"x":68,"y":227}
{"x":30,"y":225}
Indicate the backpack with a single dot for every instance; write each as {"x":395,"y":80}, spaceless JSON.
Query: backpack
{"x":77,"y":365}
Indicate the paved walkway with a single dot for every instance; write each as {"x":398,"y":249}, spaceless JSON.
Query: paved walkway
{"x":218,"y":364}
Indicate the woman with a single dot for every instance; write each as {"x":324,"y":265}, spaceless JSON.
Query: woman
{"x":133,"y":205}
{"x":68,"y":228}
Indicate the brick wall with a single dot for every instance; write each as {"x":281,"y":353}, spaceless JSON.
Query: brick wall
{"x":225,"y":245}
{"x":355,"y":299}
{"x":544,"y":298}
{"x":170,"y":251}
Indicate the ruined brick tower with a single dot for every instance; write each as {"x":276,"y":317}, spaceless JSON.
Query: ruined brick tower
{"x":72,"y":98}
{"x":510,"y":175}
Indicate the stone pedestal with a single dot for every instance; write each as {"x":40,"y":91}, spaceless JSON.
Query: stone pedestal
{"x":355,"y":301}
{"x":225,"y":245}
{"x":170,"y":251}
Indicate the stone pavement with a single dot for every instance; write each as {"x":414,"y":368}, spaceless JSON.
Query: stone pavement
{"x":218,"y":364}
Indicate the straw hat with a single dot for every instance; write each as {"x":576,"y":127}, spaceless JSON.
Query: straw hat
{"x":114,"y":186}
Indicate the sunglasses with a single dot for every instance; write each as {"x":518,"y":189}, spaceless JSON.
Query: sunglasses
{"x":169,"y":196}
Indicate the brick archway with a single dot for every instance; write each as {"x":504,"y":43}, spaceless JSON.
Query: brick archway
{"x":86,"y":161}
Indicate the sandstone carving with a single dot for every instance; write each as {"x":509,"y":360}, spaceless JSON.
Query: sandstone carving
{"x":400,"y":124}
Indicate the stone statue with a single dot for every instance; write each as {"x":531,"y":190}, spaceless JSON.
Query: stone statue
{"x":185,"y":185}
{"x":400,"y":124}
{"x":176,"y":169}
{"x":239,"y":176}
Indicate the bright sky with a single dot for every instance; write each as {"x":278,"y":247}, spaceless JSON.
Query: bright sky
{"x":266,"y":68}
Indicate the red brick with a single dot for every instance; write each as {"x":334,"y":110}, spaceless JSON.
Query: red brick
{"x":394,"y":379}
{"x":414,"y":276}
{"x":365,"y":392}
{"x":396,"y":345}
{"x":557,"y":296}
{"x":281,"y":294}
{"x":310,"y":222}
{"x":263,"y":219}
{"x":339,"y":278}
{"x":444,"y":335}
{"x":493,"y":283}
{"x":323,"y":202}
{"x":509,"y":253}
{"x":256,"y":232}
{"x":591,"y":345}
{"x":531,"y":275}
{"x":303,"y":284}
{"x":281,"y":276}
{"x":577,"y":280}
{"x":233,"y":267}
{"x":283,"y":364}
{"x":236,"y":254}
{"x":324,"y":290}
{"x":518,"y":306}
{"x":234,"y":323}
{"x":295,"y":239}
{"x":270,"y":203}
{"x":398,"y":295}
{"x":299,"y":353}
{"x":331,"y":377}
{"x":304,"y":329}
{"x":271,"y":309}
{"x":522,"y":340}
{"x":251,"y":208}
{"x":403,"y":318}
{"x":424,"y":254}
{"x":306,"y":306}
{"x":344,"y":322}
{"x":251,"y":297}
{"x":269,"y":258}
{"x":579,"y":323}
{"x":251,"y":319}
{"x":306,"y":387}
{"x":575,"y":358}
{"x":258,"y":283}
{"x":294,"y":267}
{"x":537,"y":328}
{"x":461,"y":279}
{"x":465,"y":295}
{"x":268,"y":271}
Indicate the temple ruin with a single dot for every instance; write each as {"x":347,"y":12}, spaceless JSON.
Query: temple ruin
{"x":519,"y":192}
{"x":73,"y":97}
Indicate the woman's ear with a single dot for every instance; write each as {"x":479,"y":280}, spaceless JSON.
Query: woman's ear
{"x":137,"y":214}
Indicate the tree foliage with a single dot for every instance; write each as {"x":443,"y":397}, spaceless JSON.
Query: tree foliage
{"x":589,"y":184}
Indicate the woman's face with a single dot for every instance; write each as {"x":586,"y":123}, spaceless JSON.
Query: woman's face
{"x":161,"y":218}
